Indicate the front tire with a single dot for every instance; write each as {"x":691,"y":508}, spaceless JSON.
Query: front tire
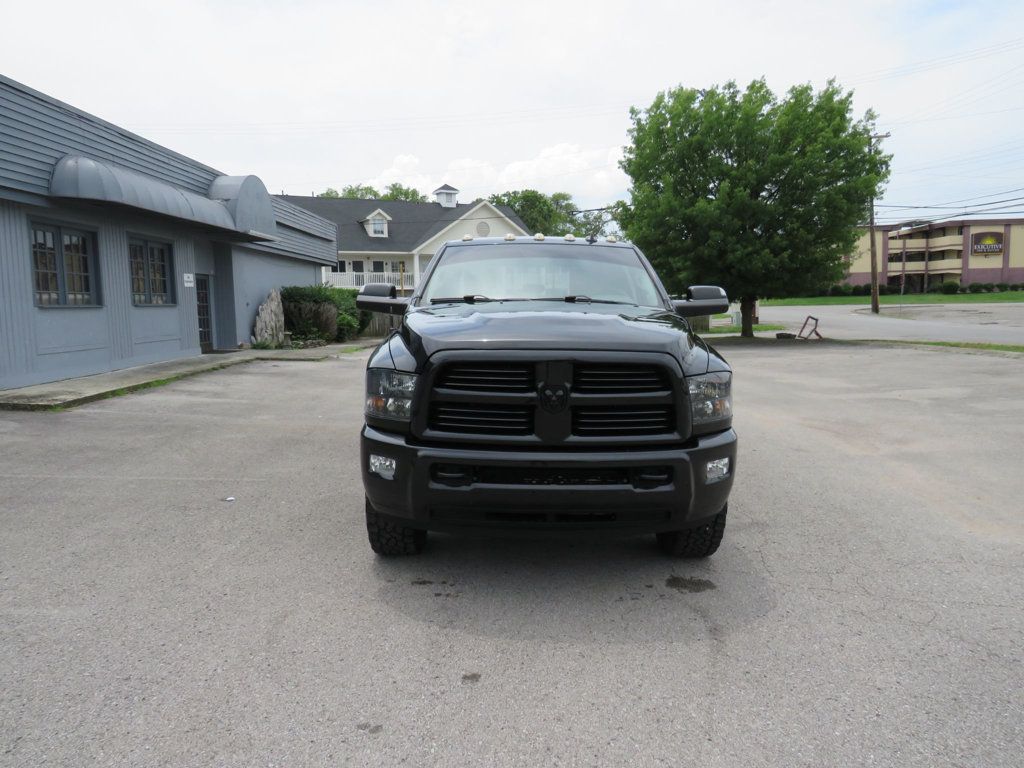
{"x":702,"y":541}
{"x":390,"y":538}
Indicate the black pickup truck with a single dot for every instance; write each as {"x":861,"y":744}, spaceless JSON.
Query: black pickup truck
{"x":542,"y":383}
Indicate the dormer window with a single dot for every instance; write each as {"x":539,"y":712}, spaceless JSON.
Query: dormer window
{"x":376,"y":224}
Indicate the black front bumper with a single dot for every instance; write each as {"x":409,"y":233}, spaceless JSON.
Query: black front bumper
{"x":638,"y":490}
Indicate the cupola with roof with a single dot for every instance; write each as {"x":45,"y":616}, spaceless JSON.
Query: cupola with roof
{"x":446,"y":195}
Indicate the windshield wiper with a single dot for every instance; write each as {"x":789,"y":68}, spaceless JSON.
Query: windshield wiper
{"x":580,"y":299}
{"x":475,"y":298}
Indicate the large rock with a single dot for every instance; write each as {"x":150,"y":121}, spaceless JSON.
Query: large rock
{"x":269,"y":326}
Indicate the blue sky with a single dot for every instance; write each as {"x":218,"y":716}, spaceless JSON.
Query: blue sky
{"x":493,"y":96}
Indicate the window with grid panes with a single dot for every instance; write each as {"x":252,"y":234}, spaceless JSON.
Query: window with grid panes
{"x":152,"y":272}
{"x":64,"y":270}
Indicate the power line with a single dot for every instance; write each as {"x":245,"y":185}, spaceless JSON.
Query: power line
{"x":951,"y":207}
{"x":938,"y":62}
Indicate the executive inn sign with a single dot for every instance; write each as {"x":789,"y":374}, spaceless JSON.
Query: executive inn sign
{"x":987,"y":243}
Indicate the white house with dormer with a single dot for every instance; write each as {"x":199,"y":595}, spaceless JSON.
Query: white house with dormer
{"x":392,"y":241}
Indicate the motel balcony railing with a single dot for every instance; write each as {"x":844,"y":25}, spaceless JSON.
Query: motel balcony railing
{"x":401,"y":280}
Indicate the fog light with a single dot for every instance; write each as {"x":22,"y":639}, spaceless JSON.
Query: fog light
{"x":385,"y":467}
{"x":717,"y":470}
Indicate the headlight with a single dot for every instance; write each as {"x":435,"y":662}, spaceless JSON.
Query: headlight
{"x":710,"y":398}
{"x":389,"y":393}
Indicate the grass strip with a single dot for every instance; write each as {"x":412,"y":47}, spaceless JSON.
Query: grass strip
{"x":738,"y":329}
{"x":1018,"y":348}
{"x":1005,"y":297}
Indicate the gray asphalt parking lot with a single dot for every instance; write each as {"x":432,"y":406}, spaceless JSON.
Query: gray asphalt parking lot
{"x":864,"y":608}
{"x":978,"y":323}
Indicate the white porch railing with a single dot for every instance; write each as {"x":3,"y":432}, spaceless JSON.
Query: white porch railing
{"x":401,"y":280}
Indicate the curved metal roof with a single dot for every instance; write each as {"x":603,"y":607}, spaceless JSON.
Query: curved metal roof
{"x":86,"y":179}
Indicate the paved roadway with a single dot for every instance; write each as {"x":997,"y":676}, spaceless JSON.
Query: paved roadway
{"x":987,"y":323}
{"x":864,"y":609}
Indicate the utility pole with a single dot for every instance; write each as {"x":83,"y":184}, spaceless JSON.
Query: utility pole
{"x":871,"y":230}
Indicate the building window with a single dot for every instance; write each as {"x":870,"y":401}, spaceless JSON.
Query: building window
{"x":339,"y":266}
{"x":377,"y":227}
{"x":396,"y":266}
{"x":152,"y":272}
{"x":357,"y":265}
{"x":378,"y":266}
{"x":64,"y":267}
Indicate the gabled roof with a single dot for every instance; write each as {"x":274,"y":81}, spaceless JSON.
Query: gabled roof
{"x":381,"y":211}
{"x":445,"y":188}
{"x":411,"y":224}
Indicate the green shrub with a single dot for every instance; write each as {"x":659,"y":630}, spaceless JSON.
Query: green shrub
{"x":844,"y":289}
{"x":314,"y":294}
{"x":989,"y":287}
{"x":311,"y":319}
{"x":976,"y":288}
{"x":883,"y":289}
{"x":345,"y":299}
{"x":935,"y":288}
{"x":950,"y":287}
{"x":348,"y":327}
{"x":306,"y":323}
{"x":1015,"y":286}
{"x":1003,"y":286}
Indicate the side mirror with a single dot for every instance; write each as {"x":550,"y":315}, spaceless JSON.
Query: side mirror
{"x":702,"y":300}
{"x":381,"y":297}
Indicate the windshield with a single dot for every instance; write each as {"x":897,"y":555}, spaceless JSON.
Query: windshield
{"x":550,"y":271}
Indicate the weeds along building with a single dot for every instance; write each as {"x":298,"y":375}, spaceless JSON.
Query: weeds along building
{"x":964,"y":251}
{"x":115,"y":251}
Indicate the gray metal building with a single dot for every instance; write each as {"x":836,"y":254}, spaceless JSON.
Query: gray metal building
{"x":115,"y":251}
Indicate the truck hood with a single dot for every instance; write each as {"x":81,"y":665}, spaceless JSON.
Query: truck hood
{"x":545,"y":325}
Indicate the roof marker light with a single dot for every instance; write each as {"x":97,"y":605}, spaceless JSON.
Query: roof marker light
{"x":466,"y":237}
{"x":510,"y":236}
{"x":570,"y":237}
{"x":538,"y":236}
{"x":611,"y":239}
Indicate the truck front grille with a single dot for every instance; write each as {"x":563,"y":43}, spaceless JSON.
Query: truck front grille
{"x":605,"y":400}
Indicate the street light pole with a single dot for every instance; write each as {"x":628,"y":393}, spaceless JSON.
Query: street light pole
{"x":871,"y":232}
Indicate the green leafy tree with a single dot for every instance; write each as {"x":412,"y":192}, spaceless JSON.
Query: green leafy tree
{"x":743,"y":189}
{"x":359,"y":192}
{"x":396,"y":191}
{"x":551,"y":214}
{"x":330,"y":192}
